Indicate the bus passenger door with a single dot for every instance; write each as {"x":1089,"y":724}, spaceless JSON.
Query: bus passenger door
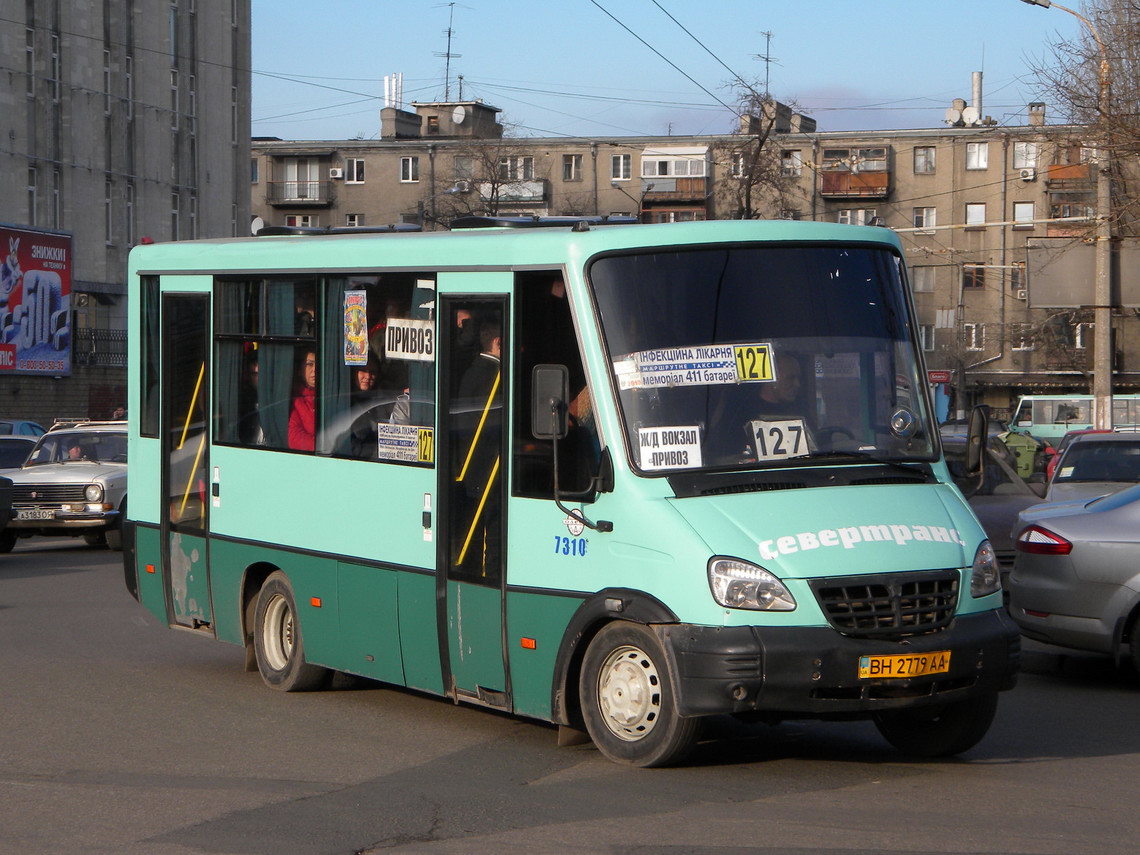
{"x":185,"y":461}
{"x":471,"y":558}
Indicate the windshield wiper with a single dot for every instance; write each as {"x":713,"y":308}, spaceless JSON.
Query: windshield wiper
{"x":867,"y":457}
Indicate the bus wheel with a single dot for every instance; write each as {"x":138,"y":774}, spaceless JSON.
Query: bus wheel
{"x":628,"y":701}
{"x":940,"y":730}
{"x":277,"y":640}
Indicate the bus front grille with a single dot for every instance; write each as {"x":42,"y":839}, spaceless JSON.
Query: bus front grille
{"x":889,"y":605}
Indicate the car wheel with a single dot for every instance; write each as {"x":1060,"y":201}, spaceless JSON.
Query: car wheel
{"x":939,"y":730}
{"x":278,"y":643}
{"x":1134,"y":642}
{"x":628,"y":701}
{"x":95,"y":538}
{"x":114,"y":539}
{"x":7,"y":540}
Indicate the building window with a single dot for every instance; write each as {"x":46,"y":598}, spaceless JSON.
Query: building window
{"x":672,"y":167}
{"x":129,"y":80}
{"x":354,"y":221}
{"x":354,"y":170}
{"x":922,"y":279}
{"x":621,"y":167}
{"x":925,"y":219}
{"x":409,"y":169}
{"x":789,"y":214}
{"x":55,"y":71}
{"x":433,"y":126}
{"x":973,"y":276}
{"x":926,"y":336}
{"x":464,"y":167}
{"x":253,"y":171}
{"x":33,"y":195}
{"x":1021,"y":336}
{"x":855,"y":216}
{"x":56,"y":193}
{"x":944,"y":319}
{"x":303,"y":221}
{"x":975,"y":214}
{"x":977,"y":155}
{"x":974,"y":336}
{"x":791,"y":162}
{"x":516,"y":168}
{"x":736,"y":165}
{"x":1083,"y":335}
{"x":129,"y":214}
{"x":108,"y":213}
{"x":1025,"y":155}
{"x":30,"y":61}
{"x":924,"y":160}
{"x":106,"y":82}
{"x":192,"y":106}
{"x":174,"y":99}
{"x":1023,"y":215}
{"x":1017,"y":279}
{"x":571,"y":167}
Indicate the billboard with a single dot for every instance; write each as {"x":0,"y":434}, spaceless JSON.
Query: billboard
{"x":35,"y":302}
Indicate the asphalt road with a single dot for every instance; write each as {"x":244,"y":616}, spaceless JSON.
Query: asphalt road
{"x":118,"y":735}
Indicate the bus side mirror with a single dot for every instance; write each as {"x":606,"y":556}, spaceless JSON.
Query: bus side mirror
{"x":976,"y":436}
{"x":550,"y":387}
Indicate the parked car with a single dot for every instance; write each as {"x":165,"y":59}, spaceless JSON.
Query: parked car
{"x":20,"y":427}
{"x":1095,"y":464}
{"x":997,"y":498}
{"x":14,"y":450}
{"x":1064,"y":443}
{"x":74,"y":483}
{"x":1076,"y":578}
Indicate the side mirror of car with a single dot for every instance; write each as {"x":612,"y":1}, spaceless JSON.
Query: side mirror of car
{"x":976,"y":436}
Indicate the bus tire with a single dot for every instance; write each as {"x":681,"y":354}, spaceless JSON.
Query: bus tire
{"x":940,"y":730}
{"x":277,"y":640}
{"x":627,"y":698}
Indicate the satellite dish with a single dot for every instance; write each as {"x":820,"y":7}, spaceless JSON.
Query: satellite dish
{"x":459,"y":114}
{"x":256,"y":225}
{"x":970,"y":115}
{"x":953,"y":116}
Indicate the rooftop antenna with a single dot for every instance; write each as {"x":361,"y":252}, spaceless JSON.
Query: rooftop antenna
{"x":448,"y":54}
{"x":768,"y":60}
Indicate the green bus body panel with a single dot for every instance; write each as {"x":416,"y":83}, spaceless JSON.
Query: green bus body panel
{"x":189,"y":579}
{"x":474,"y":613}
{"x":419,"y":632}
{"x":148,"y":551}
{"x":369,"y":621}
{"x":543,"y":619}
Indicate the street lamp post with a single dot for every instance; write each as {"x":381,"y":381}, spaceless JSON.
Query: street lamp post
{"x":1102,"y":308}
{"x":639,"y":202}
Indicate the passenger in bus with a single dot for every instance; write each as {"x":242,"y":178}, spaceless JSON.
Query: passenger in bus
{"x":369,"y":410}
{"x":303,"y":413}
{"x":480,"y":397}
{"x":781,"y":397}
{"x":249,"y":427}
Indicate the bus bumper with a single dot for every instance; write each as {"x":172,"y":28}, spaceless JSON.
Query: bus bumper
{"x":813,"y":672}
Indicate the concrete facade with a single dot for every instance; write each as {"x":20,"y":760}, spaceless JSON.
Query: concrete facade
{"x":122,"y":122}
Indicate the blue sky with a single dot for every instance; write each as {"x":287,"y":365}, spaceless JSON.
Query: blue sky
{"x":572,"y":67}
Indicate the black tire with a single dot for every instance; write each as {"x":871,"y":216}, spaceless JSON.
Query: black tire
{"x":114,"y":539}
{"x":277,"y":640}
{"x":1134,"y":642}
{"x":7,"y":541}
{"x":95,"y":538}
{"x":939,"y":730}
{"x":628,"y":701}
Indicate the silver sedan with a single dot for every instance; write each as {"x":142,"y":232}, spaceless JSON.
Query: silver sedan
{"x":1076,"y":578}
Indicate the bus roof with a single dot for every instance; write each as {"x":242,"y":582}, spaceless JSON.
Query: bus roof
{"x":489,"y":248}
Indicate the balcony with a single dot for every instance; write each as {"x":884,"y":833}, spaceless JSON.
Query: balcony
{"x":855,"y":185}
{"x":300,"y":194}
{"x":1068,"y":174}
{"x":513,"y":192}
{"x":659,"y":190}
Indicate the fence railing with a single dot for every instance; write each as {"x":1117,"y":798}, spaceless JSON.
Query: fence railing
{"x":99,"y":347}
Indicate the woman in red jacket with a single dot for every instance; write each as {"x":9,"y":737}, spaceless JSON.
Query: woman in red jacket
{"x":303,"y":415}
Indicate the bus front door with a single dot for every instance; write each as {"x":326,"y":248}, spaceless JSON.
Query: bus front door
{"x":185,"y":449}
{"x":470,"y":551}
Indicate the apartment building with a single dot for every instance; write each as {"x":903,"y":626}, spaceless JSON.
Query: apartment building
{"x":967,"y":200}
{"x":123,"y":122}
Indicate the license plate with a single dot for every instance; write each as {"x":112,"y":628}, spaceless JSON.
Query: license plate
{"x":908,"y":665}
{"x":35,"y":514}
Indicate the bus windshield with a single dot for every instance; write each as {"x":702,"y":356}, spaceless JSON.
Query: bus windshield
{"x":747,"y":356}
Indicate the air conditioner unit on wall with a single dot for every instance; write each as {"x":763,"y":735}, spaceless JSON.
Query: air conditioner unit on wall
{"x":1021,"y":294}
{"x":336,"y":172}
{"x":1029,"y":174}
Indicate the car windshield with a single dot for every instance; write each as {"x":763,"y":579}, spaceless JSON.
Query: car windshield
{"x":1100,"y":461}
{"x":75,"y":446}
{"x":758,"y":356}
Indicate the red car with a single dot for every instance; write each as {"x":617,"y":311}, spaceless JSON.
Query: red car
{"x":1062,"y":445}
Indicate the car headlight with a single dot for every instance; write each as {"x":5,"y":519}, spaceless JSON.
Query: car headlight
{"x":738,"y":584}
{"x":93,"y":493}
{"x":985,"y":576}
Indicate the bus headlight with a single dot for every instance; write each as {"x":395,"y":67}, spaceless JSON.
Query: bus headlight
{"x":738,"y":584}
{"x":985,"y":576}
{"x":93,"y":493}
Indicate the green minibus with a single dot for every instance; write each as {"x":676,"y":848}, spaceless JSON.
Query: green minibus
{"x":616,"y":477}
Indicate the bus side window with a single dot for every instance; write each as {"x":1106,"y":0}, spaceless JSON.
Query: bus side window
{"x":544,"y":334}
